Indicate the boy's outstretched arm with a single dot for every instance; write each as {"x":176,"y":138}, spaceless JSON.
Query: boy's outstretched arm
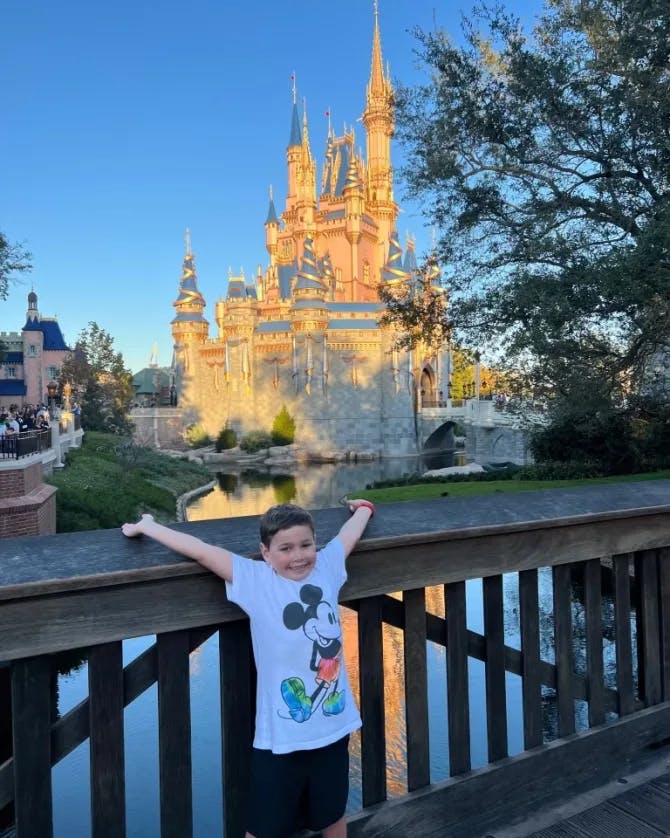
{"x":216,"y":559}
{"x":352,"y":530}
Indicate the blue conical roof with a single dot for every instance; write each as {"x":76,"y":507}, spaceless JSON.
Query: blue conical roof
{"x":393,"y":270}
{"x":296,"y":135}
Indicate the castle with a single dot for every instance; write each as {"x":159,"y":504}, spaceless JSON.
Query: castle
{"x":305,"y":332}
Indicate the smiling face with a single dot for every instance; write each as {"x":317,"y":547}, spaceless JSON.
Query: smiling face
{"x":291,"y":552}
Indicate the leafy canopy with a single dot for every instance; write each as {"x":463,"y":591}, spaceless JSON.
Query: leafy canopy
{"x":13,"y":259}
{"x":100,"y":381}
{"x":543,"y":158}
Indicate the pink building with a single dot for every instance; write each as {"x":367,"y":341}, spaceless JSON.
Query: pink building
{"x":32,"y":358}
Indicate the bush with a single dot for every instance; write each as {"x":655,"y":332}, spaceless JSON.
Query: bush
{"x":283,"y":428}
{"x":559,"y":471}
{"x":256,"y":441}
{"x":196,"y":436}
{"x":226,"y":439}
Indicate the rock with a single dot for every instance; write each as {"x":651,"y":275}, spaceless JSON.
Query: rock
{"x":470,"y":468}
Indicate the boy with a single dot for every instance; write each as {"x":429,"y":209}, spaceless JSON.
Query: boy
{"x":304,"y":707}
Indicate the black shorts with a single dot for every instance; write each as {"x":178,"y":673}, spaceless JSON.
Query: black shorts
{"x":303,"y":789}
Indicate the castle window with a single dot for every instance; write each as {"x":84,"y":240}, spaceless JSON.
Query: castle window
{"x":366,"y":272}
{"x":52,"y":372}
{"x":32,"y":349}
{"x":10,"y":372}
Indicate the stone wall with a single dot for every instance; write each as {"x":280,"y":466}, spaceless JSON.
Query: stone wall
{"x":357,"y":405}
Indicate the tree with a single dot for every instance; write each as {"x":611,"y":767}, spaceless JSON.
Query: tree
{"x":13,"y":259}
{"x":544,"y":160}
{"x":100,"y":380}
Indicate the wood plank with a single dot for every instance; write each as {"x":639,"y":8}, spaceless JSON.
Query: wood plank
{"x":416,"y":689}
{"x":563,"y":649}
{"x":534,"y":780}
{"x":105,"y":686}
{"x":607,"y":821}
{"x":51,"y":617}
{"x":458,"y":690}
{"x":238,"y":707}
{"x":371,"y":673}
{"x":174,"y":735}
{"x":112,"y":613}
{"x":622,"y":634}
{"x":648,"y":640}
{"x":664,"y":616}
{"x":531,"y":683}
{"x":595,"y":669}
{"x":646,"y":803}
{"x":496,"y":691}
{"x":31,"y":723}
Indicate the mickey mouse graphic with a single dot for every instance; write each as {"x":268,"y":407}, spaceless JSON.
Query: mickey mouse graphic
{"x":321,"y":624}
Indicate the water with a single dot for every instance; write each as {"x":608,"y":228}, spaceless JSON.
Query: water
{"x":322,"y":486}
{"x":251,"y":491}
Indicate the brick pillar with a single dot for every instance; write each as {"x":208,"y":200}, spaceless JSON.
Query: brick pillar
{"x":27,"y":505}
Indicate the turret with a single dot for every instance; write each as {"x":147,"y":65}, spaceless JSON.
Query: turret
{"x":394,"y":274}
{"x":293,"y":151}
{"x":189,"y":325}
{"x":271,"y":229}
{"x":379,"y":124}
{"x":306,"y":184}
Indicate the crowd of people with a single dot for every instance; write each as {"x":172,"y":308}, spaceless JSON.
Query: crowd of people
{"x":15,"y":419}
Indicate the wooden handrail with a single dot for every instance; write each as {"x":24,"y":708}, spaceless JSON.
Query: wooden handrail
{"x":96,"y":589}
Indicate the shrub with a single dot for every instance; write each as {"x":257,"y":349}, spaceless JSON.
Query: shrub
{"x":283,"y":428}
{"x":226,"y":439}
{"x":196,"y":436}
{"x":559,"y":471}
{"x":255,"y":441}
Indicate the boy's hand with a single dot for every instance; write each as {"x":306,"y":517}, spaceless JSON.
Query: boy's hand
{"x":133,"y":530}
{"x":358,"y":503}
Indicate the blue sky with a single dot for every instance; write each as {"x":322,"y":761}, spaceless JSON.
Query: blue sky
{"x":126,"y":122}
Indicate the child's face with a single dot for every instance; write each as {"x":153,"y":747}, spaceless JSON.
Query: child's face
{"x":292,"y":552}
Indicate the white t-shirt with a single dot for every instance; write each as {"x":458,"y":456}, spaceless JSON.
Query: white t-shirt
{"x":303,"y":698}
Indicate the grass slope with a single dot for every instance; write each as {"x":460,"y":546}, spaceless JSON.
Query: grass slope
{"x":424,"y":491}
{"x":110,"y":480}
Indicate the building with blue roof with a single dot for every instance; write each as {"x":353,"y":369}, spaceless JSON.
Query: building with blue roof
{"x":31,"y":359}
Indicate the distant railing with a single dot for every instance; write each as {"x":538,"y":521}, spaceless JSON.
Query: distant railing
{"x":23,"y":444}
{"x":142,"y":589}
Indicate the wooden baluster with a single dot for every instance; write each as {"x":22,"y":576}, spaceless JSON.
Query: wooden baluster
{"x":371,"y":673}
{"x":496,"y":694}
{"x":416,"y":689}
{"x":664,"y":600}
{"x":595,"y":675}
{"x":237,"y":719}
{"x":174,"y":734}
{"x":105,"y":685}
{"x":622,"y":634}
{"x":31,"y":723}
{"x":531,"y":684}
{"x":563,"y":649}
{"x":458,"y":693}
{"x":648,"y":640}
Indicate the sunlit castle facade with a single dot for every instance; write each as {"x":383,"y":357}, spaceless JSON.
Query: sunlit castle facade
{"x":304,"y":333}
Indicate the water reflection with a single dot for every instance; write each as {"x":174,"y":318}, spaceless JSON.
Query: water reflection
{"x":246,"y":491}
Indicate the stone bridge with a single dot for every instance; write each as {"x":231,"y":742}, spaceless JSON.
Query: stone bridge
{"x":491,"y":435}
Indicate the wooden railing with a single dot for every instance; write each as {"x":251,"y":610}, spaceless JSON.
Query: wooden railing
{"x":95,"y":589}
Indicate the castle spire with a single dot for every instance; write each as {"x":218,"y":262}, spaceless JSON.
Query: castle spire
{"x":294,"y":137}
{"x":379,"y":126}
{"x":189,"y":324}
{"x":377,"y":88}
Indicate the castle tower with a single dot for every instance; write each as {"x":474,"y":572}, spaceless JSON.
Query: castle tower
{"x":379,"y":125}
{"x":293,"y":153}
{"x":189,"y":326}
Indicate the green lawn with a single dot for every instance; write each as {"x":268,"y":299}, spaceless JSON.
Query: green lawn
{"x":423,"y":491}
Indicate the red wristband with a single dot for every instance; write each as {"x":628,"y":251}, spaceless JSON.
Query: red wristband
{"x":369,"y":505}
